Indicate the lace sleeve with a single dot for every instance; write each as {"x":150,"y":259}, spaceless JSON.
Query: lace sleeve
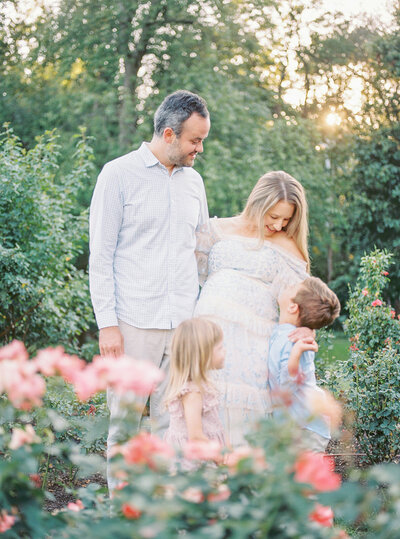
{"x":205,"y":238}
{"x":289,"y":274}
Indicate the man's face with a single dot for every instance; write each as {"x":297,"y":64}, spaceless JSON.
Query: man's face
{"x":182,"y":150}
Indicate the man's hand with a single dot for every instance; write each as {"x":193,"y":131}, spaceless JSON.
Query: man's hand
{"x":111,"y":342}
{"x":301,"y":333}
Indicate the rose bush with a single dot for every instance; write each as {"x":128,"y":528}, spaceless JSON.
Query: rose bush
{"x":371,"y":374}
{"x":266,"y":489}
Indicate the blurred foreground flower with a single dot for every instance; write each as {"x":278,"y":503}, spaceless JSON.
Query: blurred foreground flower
{"x":222,"y":494}
{"x":323,"y":403}
{"x":245,"y":452}
{"x":75,"y":506}
{"x":121,"y":374}
{"x":145,"y":448}
{"x":317,"y":470}
{"x":6,"y":521}
{"x":21,"y":437}
{"x":202,"y":450}
{"x":322,"y":515}
{"x":193,"y":494}
{"x":130,"y":511}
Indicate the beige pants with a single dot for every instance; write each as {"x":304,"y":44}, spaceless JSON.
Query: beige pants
{"x":144,"y":344}
{"x":313,"y":442}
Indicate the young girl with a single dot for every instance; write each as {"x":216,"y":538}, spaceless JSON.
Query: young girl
{"x":191,"y":399}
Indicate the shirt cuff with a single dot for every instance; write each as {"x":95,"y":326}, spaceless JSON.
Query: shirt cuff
{"x":105,"y":320}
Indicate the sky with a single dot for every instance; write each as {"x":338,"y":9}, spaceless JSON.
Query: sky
{"x":355,"y":7}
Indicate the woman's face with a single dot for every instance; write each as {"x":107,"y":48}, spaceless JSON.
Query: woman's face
{"x":278,"y":217}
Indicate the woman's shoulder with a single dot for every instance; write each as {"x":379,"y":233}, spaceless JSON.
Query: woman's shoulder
{"x":232,"y":226}
{"x":282,"y":240}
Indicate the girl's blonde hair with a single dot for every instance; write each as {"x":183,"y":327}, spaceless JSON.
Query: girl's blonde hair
{"x":191,"y":354}
{"x":268,"y":191}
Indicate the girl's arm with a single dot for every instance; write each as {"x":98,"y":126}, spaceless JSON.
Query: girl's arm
{"x":192,"y":407}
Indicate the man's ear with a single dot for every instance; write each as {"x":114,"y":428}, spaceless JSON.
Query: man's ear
{"x":169,"y":135}
{"x":293,"y":308}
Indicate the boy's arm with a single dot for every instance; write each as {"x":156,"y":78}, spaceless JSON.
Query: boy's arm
{"x":299,"y":347}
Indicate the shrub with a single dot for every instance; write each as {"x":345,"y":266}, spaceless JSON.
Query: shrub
{"x":373,"y":368}
{"x":264,"y":490}
{"x":44,"y":298}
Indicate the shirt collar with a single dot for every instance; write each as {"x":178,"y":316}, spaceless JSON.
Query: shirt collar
{"x":148,"y":157}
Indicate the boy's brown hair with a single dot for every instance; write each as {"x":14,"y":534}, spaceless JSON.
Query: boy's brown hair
{"x":318,"y":305}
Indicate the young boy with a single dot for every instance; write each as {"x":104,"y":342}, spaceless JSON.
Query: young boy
{"x":310,"y":304}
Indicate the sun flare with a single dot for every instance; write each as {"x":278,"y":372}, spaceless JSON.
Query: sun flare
{"x":333,"y":118}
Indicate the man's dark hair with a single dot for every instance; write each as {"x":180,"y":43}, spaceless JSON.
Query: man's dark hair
{"x":176,"y":109}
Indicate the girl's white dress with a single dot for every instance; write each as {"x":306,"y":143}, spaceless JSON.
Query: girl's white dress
{"x":242,"y":280}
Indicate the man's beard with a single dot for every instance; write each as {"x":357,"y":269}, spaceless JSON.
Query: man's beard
{"x":178,"y":159}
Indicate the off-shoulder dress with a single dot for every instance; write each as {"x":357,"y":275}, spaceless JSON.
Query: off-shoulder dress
{"x":241,"y":283}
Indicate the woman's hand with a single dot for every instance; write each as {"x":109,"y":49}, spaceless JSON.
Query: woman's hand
{"x":301,"y":333}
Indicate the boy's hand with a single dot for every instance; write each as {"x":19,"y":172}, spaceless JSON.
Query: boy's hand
{"x":301,"y":333}
{"x":300,"y":346}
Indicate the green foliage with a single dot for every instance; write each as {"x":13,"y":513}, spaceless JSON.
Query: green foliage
{"x":373,"y":368}
{"x":376,"y":198}
{"x":43,"y":296}
{"x":87,"y":421}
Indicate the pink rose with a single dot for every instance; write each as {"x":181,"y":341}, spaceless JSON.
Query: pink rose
{"x":145,"y":448}
{"x":202,"y":450}
{"x":385,"y":273}
{"x":393,"y":313}
{"x":376,"y":303}
{"x":246,"y":452}
{"x":316,"y":469}
{"x":24,"y":387}
{"x":14,"y":350}
{"x":6,"y":521}
{"x":193,"y":494}
{"x":21,"y":437}
{"x":75,"y":506}
{"x":365,"y":292}
{"x":222,"y":494}
{"x":322,"y":515}
{"x":130,"y":511}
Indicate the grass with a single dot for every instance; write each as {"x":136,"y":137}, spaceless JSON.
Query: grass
{"x":340,"y":348}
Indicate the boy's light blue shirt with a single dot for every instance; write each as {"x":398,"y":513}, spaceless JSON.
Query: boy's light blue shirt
{"x":278,"y":378}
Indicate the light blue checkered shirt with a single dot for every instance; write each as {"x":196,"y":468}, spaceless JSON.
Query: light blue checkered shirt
{"x":142,"y":267}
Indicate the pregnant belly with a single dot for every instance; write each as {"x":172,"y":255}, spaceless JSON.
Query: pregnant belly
{"x":235,"y":288}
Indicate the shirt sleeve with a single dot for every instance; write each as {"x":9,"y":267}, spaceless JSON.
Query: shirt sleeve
{"x":306,"y":369}
{"x":204,"y":239}
{"x":106,"y":211}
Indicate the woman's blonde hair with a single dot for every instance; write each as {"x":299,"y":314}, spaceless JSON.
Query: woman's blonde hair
{"x":191,"y":354}
{"x":268,"y":191}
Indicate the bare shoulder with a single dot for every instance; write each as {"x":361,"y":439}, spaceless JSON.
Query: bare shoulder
{"x":283,"y":240}
{"x":228,"y":225}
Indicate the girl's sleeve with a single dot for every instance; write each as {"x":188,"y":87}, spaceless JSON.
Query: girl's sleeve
{"x":205,"y":238}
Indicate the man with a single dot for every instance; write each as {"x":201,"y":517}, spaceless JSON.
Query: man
{"x":145,"y":209}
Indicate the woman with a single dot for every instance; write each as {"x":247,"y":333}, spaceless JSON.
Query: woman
{"x":244,"y":262}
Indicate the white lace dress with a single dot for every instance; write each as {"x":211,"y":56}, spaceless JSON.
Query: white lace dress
{"x":242,"y":281}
